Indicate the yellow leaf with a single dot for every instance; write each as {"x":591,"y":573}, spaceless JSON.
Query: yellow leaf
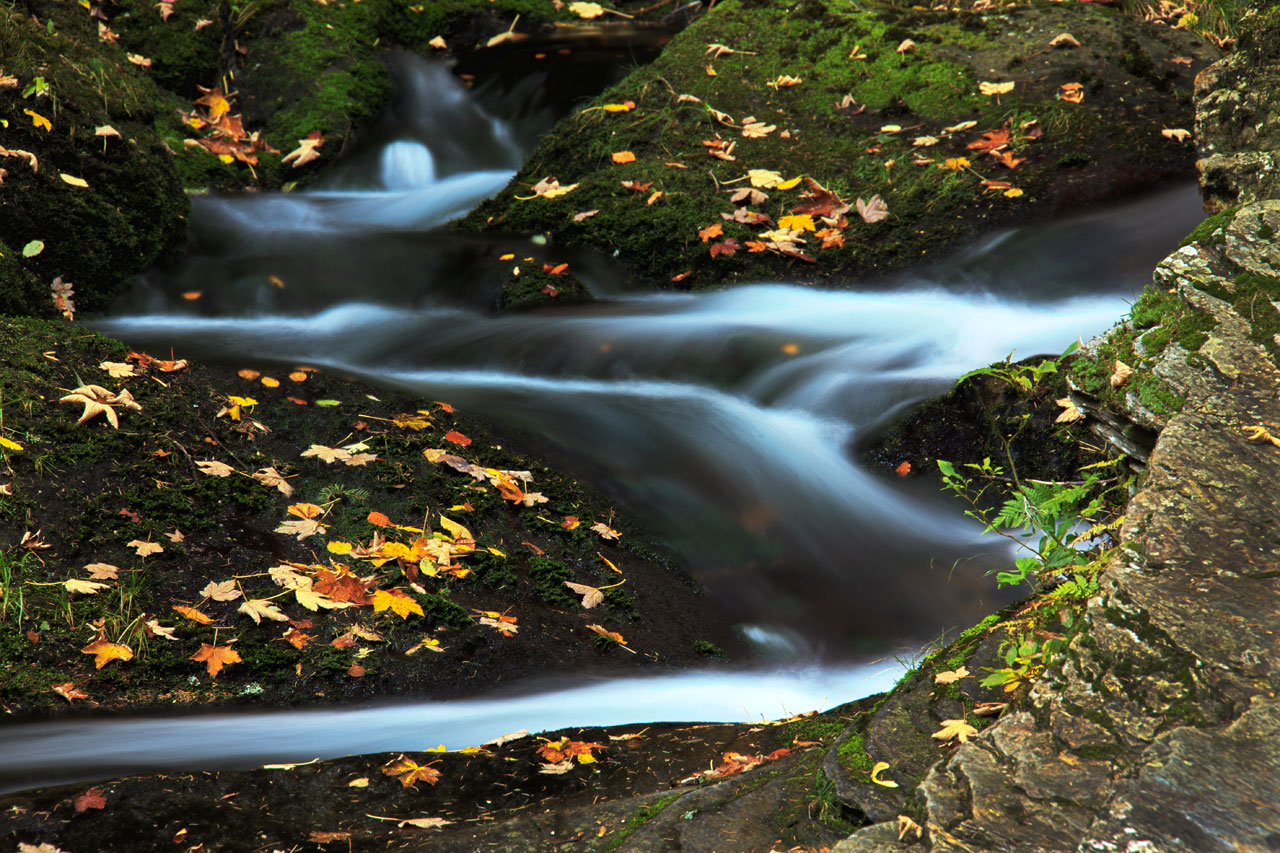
{"x":880,"y":767}
{"x":797,"y":222}
{"x":952,"y":676}
{"x":88,"y":587}
{"x":1120,"y":376}
{"x":995,"y":88}
{"x":215,"y":657}
{"x":39,"y":120}
{"x":411,"y":772}
{"x":11,"y":445}
{"x":1012,"y":192}
{"x":619,"y":108}
{"x":786,"y":185}
{"x":104,"y":652}
{"x":456,"y":530}
{"x":397,"y":602}
{"x":586,"y":10}
{"x":764,"y":178}
{"x":73,"y":180}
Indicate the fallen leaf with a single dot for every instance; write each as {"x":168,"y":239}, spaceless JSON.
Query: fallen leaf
{"x":591,"y":596}
{"x":69,"y":691}
{"x":586,"y":10}
{"x":1175,"y":133}
{"x":951,"y":676}
{"x":955,"y":729}
{"x":1070,"y":413}
{"x":989,"y":89}
{"x":410,"y":772}
{"x":224,"y":591}
{"x":104,"y":652}
{"x":873,"y":210}
{"x":507,"y":738}
{"x":549,"y":188}
{"x":612,"y":635}
{"x":90,"y":799}
{"x":605,"y":531}
{"x":213,"y":468}
{"x":1064,"y":40}
{"x":1072,"y":93}
{"x":438,"y":43}
{"x":1257,"y":432}
{"x":83,"y":586}
{"x":216,"y":657}
{"x":193,"y":614}
{"x":397,"y":602}
{"x":906,"y":824}
{"x":103,"y":571}
{"x":906,"y":46}
{"x":145,"y":549}
{"x":272,"y":477}
{"x":39,"y":121}
{"x":98,"y":400}
{"x":586,"y":214}
{"x":73,"y":180}
{"x":258,"y":609}
{"x":876,"y":770}
{"x":1120,"y":374}
{"x":725,"y":247}
{"x":457,"y":438}
{"x":623,"y":157}
{"x":757,"y":129}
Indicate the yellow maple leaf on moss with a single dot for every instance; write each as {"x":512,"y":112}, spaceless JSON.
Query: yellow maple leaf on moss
{"x":395,"y":601}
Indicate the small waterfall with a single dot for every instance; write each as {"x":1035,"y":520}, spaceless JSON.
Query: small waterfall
{"x":407,"y":165}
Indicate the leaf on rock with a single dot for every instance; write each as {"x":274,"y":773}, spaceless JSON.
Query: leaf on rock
{"x":876,"y":770}
{"x":591,"y":596}
{"x":1070,"y":413}
{"x":213,"y":468}
{"x":98,"y":400}
{"x":118,"y":369}
{"x":990,"y":89}
{"x":216,"y":657}
{"x":951,"y":676}
{"x":103,"y":571}
{"x":84,"y":586}
{"x":193,"y":614}
{"x":258,"y":609}
{"x":1120,"y":374}
{"x":713,"y":230}
{"x":1064,"y":40}
{"x":69,"y":691}
{"x":955,"y":729}
{"x":410,"y":772}
{"x":605,"y":531}
{"x":90,"y":799}
{"x":272,"y":477}
{"x":457,"y":438}
{"x":623,"y":157}
{"x":873,"y":210}
{"x":308,"y":149}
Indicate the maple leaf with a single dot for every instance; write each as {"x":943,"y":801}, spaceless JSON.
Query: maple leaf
{"x":457,"y":438}
{"x":308,"y":149}
{"x":395,"y":601}
{"x":783,"y":81}
{"x":214,"y":468}
{"x":612,"y":635}
{"x":215,"y":101}
{"x":1070,"y":413}
{"x":957,"y":729}
{"x":69,"y":691}
{"x":623,"y":157}
{"x":216,"y":657}
{"x":87,"y":587}
{"x":1120,"y":376}
{"x":1257,"y":432}
{"x":549,"y":188}
{"x":102,"y":571}
{"x":297,"y":638}
{"x":591,"y":596}
{"x":105,"y":652}
{"x":952,"y":676}
{"x":300,"y":527}
{"x":410,"y":772}
{"x":98,"y":400}
{"x":752,"y":196}
{"x":117,"y":369}
{"x":605,"y":531}
{"x":145,"y":549}
{"x":155,"y":629}
{"x":193,"y":614}
{"x":757,"y":129}
{"x":990,"y":89}
{"x":713,"y":230}
{"x":906,"y":824}
{"x":272,"y":477}
{"x":258,"y":609}
{"x":764,"y":178}
{"x":873,"y":210}
{"x":224,"y":591}
{"x":313,"y":600}
{"x":90,"y":799}
{"x":991,"y":140}
{"x":1007,"y":159}
{"x":797,"y":222}
{"x":725,"y":247}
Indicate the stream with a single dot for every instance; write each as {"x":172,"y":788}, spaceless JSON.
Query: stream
{"x":724,"y":421}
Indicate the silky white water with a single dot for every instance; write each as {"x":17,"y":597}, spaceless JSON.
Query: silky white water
{"x":722,"y":421}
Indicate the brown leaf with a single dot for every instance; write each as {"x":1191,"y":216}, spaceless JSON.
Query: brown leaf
{"x":725,"y":247}
{"x":1120,"y":375}
{"x":308,"y":149}
{"x":591,"y":596}
{"x":146,"y":548}
{"x":713,"y":230}
{"x":69,"y":691}
{"x":410,"y":772}
{"x":90,"y":799}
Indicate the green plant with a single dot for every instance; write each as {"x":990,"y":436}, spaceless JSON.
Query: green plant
{"x":1066,"y":527}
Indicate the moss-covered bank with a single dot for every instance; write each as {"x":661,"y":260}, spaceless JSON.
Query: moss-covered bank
{"x":858,"y":103}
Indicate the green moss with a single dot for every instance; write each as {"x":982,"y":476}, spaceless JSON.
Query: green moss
{"x":1210,"y":233}
{"x":639,"y":818}
{"x":854,"y":757}
{"x":548,"y":578}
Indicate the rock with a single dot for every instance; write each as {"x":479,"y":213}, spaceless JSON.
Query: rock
{"x":104,"y":206}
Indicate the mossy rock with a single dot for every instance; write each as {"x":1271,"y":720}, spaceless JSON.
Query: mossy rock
{"x":103,"y":206}
{"x":836,"y":127}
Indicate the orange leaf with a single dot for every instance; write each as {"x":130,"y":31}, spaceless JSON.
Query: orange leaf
{"x":623,"y":157}
{"x":904,"y":469}
{"x":378,"y":519}
{"x":105,"y":652}
{"x":711,"y":231}
{"x":216,"y":657}
{"x":457,"y":438}
{"x":193,"y":614}
{"x":410,"y":772}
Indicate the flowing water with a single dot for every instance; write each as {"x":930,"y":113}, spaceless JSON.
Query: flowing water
{"x":723,"y":420}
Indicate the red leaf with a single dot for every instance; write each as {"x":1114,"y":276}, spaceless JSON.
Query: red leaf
{"x":91,"y":799}
{"x":904,"y":469}
{"x":378,"y":519}
{"x":725,"y":247}
{"x":457,"y":438}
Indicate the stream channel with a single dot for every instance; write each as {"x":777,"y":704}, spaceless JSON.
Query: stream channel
{"x":726,"y":421}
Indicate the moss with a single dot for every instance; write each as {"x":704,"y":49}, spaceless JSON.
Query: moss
{"x":854,"y":757}
{"x":548,"y":578}
{"x":639,"y":818}
{"x":1254,"y":297}
{"x":1211,"y":232}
